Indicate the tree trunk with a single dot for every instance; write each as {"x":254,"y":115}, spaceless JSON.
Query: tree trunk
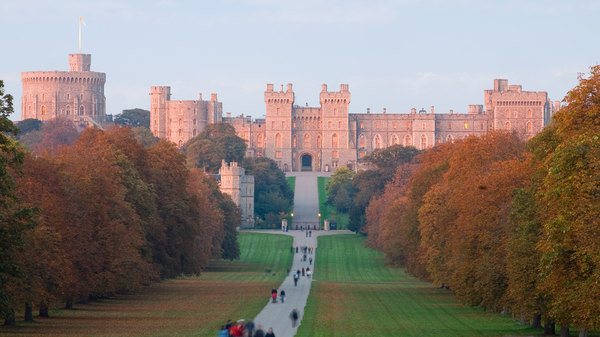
{"x":536,"y":323}
{"x":28,"y":312}
{"x":10,"y":318}
{"x":69,"y":304}
{"x":549,"y":327}
{"x":564,"y":331}
{"x":44,"y":309}
{"x":583,"y":332}
{"x":521,"y":319}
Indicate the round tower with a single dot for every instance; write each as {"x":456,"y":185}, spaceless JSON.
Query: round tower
{"x":77,"y":94}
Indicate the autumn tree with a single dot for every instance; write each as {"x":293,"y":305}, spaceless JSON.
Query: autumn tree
{"x":16,"y":221}
{"x":367,"y":184}
{"x":217,"y":142}
{"x":571,"y":206}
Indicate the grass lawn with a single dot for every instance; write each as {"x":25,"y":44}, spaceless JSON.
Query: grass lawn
{"x":328,"y":211}
{"x":189,"y":306}
{"x":356,"y":295}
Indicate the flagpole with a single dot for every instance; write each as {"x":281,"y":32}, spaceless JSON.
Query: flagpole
{"x":80,"y":35}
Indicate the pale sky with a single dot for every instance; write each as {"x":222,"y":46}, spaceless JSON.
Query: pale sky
{"x":396,"y":54}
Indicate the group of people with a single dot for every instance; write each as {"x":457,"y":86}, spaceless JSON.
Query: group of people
{"x":274,"y":295}
{"x":243,"y":329}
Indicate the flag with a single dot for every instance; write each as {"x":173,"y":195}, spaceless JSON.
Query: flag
{"x":81,"y":20}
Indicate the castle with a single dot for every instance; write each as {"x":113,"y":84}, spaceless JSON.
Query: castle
{"x":77,"y":94}
{"x":298,"y":138}
{"x":326,"y":137}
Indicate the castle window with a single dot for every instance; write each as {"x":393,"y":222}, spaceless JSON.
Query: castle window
{"x":529,"y":127}
{"x":155,"y":133}
{"x":361,"y":155}
{"x":278,"y":140}
{"x":423,"y":125}
{"x":515,"y":114}
{"x":529,"y":114}
{"x":259,"y":140}
{"x":335,"y":111}
{"x":507,"y":125}
{"x":481,"y":127}
{"x":180,"y":133}
{"x":180,"y":121}
{"x":423,"y":142}
{"x":43,"y":109}
{"x":294,"y":124}
{"x":377,"y":125}
{"x":335,"y":154}
{"x":283,"y":125}
{"x":449,"y":139}
{"x":362,"y":125}
{"x":340,"y":124}
{"x":439,"y":140}
{"x":68,"y":112}
{"x":306,"y":140}
{"x":466,"y":125}
{"x":277,"y":154}
{"x":155,"y":123}
{"x":334,"y":140}
{"x":194,"y":121}
{"x":449,"y":125}
{"x":307,"y":124}
{"x":180,"y":143}
{"x":407,"y":141}
{"x":319,"y":141}
{"x":194,"y":133}
{"x":361,"y":141}
{"x":294,"y":141}
{"x":278,"y":110}
{"x":377,"y":142}
{"x":395,"y":125}
{"x":81,"y":110}
{"x":273,"y":125}
{"x":394,"y":140}
{"x":408,"y":124}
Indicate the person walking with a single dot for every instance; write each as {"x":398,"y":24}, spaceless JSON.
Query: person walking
{"x":282,"y":295}
{"x":270,"y":333}
{"x":274,"y":295}
{"x":295,"y":279}
{"x":250,"y":328}
{"x":259,"y":332}
{"x":294,"y":317}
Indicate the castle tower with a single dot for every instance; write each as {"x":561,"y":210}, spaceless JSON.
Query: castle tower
{"x":336,"y":145}
{"x":77,"y":94}
{"x":278,"y":129}
{"x":509,"y":107}
{"x":240,"y":188}
{"x":159,"y":96}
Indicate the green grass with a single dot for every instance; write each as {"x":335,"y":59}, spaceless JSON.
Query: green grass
{"x":355,"y":294}
{"x":188,"y":306}
{"x":328,"y":211}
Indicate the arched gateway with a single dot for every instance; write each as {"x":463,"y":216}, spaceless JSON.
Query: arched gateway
{"x":306,"y":162}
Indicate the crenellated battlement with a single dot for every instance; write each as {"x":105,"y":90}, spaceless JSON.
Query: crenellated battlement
{"x":63,"y":77}
{"x":335,"y":97}
{"x":279,"y":97}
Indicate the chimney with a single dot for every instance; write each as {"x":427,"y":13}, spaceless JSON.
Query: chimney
{"x":200,"y":95}
{"x":368,"y":110}
{"x":289,"y":87}
{"x":451,"y":111}
{"x":213,"y":97}
{"x":432,"y":110}
{"x":384,"y":110}
{"x":413,"y":111}
{"x":228,"y":114}
{"x":323,"y":87}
